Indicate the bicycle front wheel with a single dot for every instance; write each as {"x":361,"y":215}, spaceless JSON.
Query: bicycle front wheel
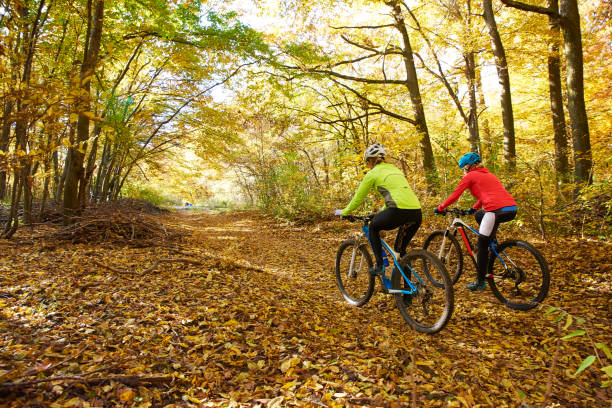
{"x":518,"y":275}
{"x":352,"y":277}
{"x":431,"y":307}
{"x":450,"y":253}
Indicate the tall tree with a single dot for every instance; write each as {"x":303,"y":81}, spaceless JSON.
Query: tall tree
{"x":75,"y":172}
{"x":568,"y":17}
{"x":556,"y":97}
{"x":372,"y":52}
{"x":504,"y":80}
{"x":412,"y":84}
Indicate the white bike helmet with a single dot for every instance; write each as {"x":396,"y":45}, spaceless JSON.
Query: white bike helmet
{"x":374,"y":151}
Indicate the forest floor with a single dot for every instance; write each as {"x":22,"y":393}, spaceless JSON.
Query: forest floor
{"x":243,"y":311}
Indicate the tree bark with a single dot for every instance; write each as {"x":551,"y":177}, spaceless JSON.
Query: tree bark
{"x":504,"y":80}
{"x":556,"y":98}
{"x":470,"y":74}
{"x":568,"y":17}
{"x":412,"y":84}
{"x":570,"y":26}
{"x":75,"y":175}
{"x":4,"y":145}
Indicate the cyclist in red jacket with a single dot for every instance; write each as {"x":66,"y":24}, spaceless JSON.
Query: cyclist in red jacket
{"x":499,"y":206}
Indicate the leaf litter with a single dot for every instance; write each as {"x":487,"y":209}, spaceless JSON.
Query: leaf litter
{"x":241,"y":310}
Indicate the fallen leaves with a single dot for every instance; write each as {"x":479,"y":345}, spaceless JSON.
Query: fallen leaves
{"x":263,"y":325}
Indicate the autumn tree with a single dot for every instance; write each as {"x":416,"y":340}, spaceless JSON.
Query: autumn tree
{"x":338,"y":71}
{"x":504,"y":80}
{"x":75,"y":175}
{"x":568,"y":18}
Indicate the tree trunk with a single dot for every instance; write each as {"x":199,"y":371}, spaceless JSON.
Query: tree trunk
{"x":470,"y":74}
{"x":487,"y":138}
{"x":570,"y":26}
{"x":556,"y":99}
{"x":4,"y":145}
{"x":75,"y":175}
{"x":101,"y":170}
{"x":504,"y":80}
{"x":412,"y":84}
{"x":89,"y":169}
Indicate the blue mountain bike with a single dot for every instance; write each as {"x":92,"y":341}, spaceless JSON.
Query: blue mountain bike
{"x":419,"y":282}
{"x":518,"y":274}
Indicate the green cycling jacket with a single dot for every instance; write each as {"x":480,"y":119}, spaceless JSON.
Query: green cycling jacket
{"x":390,"y":183}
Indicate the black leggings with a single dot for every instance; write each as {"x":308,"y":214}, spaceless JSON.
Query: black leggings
{"x":391,"y":218}
{"x":482,"y":260}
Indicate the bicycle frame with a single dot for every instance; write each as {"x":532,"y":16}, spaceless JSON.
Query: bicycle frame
{"x":458,"y":224}
{"x":386,"y":281}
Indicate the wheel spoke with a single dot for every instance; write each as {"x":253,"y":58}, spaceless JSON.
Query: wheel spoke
{"x":522,"y":280}
{"x":429,"y":309}
{"x":352,"y":262}
{"x":446,"y":247}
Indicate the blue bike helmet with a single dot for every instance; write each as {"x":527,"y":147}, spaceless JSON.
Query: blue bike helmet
{"x":469,"y":158}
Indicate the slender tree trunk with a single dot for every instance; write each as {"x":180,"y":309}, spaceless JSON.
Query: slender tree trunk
{"x":45,"y":193}
{"x":62,"y":180}
{"x":89,"y":168}
{"x":570,"y":26}
{"x":556,"y":98}
{"x":470,"y":73}
{"x":101,"y":170}
{"x":487,"y":138}
{"x":12,"y":222}
{"x":412,"y":84}
{"x":4,"y":144}
{"x":75,"y":172}
{"x":504,"y":80}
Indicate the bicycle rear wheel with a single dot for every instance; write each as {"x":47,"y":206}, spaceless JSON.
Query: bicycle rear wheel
{"x":352,"y":276}
{"x":519,"y":277}
{"x":450,"y":255}
{"x":432,"y":306}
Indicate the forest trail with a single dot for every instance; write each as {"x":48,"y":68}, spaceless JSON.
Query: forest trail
{"x":495,"y":349}
{"x":252,"y":317}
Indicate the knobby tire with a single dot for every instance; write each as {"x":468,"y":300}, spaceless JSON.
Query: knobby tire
{"x":454,"y":263}
{"x":415,"y":309}
{"x":357,"y":289}
{"x":531,"y":267}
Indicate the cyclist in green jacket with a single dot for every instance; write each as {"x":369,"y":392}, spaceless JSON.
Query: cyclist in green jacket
{"x":402,"y":207}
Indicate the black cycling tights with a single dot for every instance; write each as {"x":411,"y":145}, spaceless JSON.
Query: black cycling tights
{"x":484,"y":240}
{"x":389,"y":219}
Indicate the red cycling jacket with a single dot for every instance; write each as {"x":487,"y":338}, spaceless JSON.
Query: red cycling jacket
{"x":483,"y":185}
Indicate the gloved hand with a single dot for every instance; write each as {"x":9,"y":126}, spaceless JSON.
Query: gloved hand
{"x":338,"y":212}
{"x":470,"y":210}
{"x":436,"y":211}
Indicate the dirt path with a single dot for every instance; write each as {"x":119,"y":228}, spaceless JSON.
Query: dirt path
{"x":504,"y":354}
{"x":253,"y":318}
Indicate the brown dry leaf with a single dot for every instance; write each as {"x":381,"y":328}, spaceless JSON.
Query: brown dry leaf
{"x":258,"y":321}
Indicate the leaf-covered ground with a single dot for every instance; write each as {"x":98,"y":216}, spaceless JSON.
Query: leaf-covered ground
{"x":244,"y":311}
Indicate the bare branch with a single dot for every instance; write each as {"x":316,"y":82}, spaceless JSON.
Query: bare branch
{"x":528,"y":7}
{"x":362,"y":27}
{"x":379,"y":107}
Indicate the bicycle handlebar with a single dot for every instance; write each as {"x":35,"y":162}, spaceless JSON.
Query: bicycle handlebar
{"x":353,"y":218}
{"x":456,"y":211}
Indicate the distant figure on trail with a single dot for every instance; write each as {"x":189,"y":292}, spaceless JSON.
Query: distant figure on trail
{"x":402,"y":207}
{"x":499,"y":206}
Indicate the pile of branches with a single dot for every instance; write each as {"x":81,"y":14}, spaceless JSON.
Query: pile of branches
{"x":115,"y":224}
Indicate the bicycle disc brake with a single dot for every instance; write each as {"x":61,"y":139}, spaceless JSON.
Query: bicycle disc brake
{"x":422,"y":297}
{"x":517,"y":275}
